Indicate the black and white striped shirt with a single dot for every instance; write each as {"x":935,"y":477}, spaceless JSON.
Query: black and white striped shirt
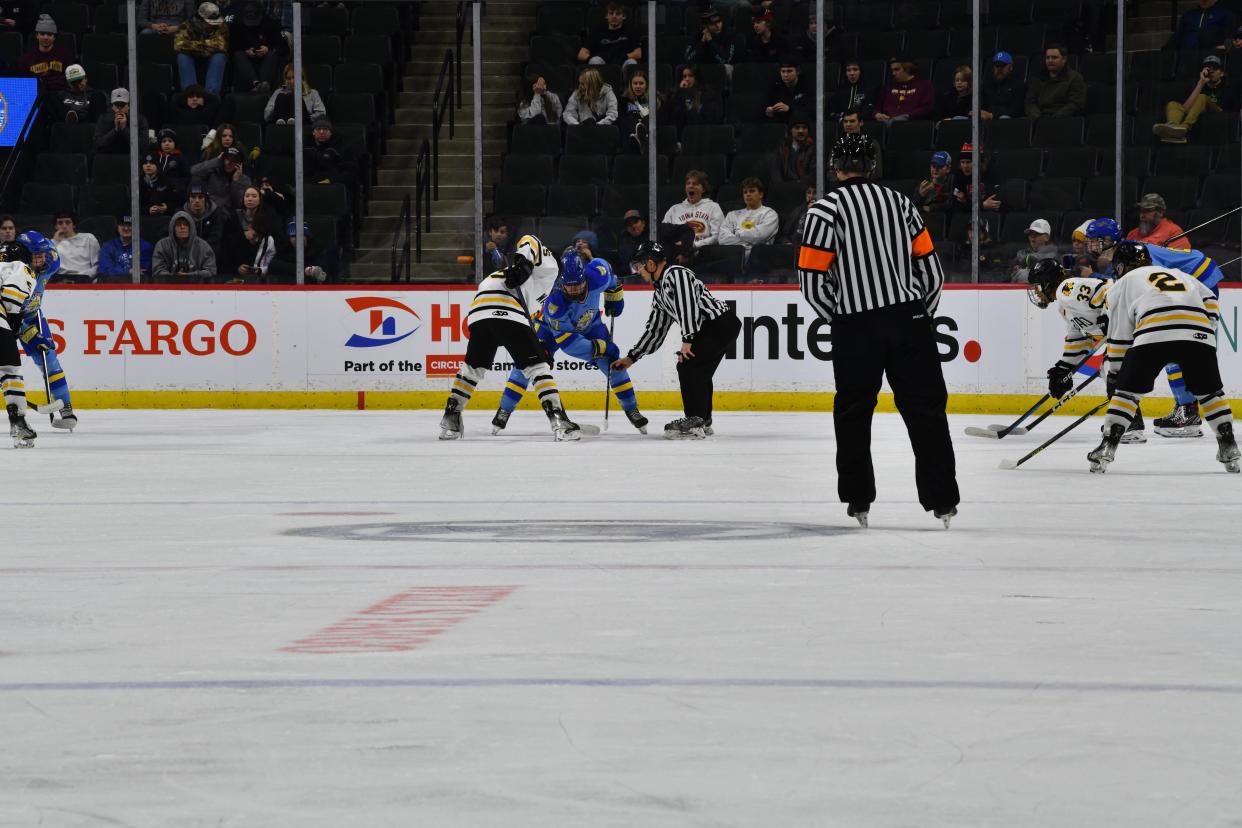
{"x":679,"y":297}
{"x":865,"y":247}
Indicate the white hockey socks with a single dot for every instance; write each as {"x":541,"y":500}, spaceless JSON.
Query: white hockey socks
{"x":1121,"y":410}
{"x":539,"y":376}
{"x":13,"y":387}
{"x":464,"y":385}
{"x":1215,"y":410}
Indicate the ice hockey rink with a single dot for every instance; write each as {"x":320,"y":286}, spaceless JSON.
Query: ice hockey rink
{"x":265,"y":618}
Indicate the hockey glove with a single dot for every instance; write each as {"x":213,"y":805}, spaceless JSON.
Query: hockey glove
{"x":606,"y":349}
{"x":614,"y":308}
{"x":517,"y":273}
{"x":1059,"y":382}
{"x":32,"y":337}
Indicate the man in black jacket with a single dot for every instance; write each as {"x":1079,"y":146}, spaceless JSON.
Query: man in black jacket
{"x":788,"y":94}
{"x":211,"y":223}
{"x":1002,"y":95}
{"x":112,"y":129}
{"x":329,"y":160}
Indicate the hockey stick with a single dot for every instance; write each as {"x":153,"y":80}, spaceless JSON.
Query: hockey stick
{"x":1005,"y":431}
{"x":974,"y":431}
{"x":1011,"y":464}
{"x":49,"y":409}
{"x":47,"y":386}
{"x":1185,"y":233}
{"x":612,"y":323}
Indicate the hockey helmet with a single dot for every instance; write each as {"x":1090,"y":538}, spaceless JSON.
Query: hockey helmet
{"x":571,"y":267}
{"x":1129,"y":255}
{"x":648,"y":251}
{"x":853,"y":153}
{"x":35,"y":242}
{"x":1102,"y":234}
{"x":14,"y":252}
{"x":1044,"y":279}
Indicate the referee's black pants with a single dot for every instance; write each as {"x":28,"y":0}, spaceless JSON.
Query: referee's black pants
{"x":897,"y":341}
{"x":695,"y":374}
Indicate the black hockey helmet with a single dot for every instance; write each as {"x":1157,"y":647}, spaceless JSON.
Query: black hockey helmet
{"x":1129,"y":255}
{"x":14,"y":252}
{"x":647,"y":251}
{"x":852,"y":153}
{"x":1044,"y":279}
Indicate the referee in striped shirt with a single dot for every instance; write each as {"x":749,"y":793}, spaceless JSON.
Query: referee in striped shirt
{"x":708,"y":328}
{"x":868,"y":266}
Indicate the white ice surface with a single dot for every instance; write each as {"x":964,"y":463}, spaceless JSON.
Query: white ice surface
{"x":1068,"y":654}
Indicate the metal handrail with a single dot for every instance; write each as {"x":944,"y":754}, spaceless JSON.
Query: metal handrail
{"x":422,"y":202}
{"x":441,"y":101}
{"x":12,"y":163}
{"x":462,"y":18}
{"x":401,"y":240}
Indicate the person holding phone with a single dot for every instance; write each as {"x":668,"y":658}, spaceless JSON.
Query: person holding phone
{"x":1212,"y":93}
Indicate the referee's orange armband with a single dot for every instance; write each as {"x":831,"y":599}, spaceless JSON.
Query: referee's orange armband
{"x":922,"y":245}
{"x":812,"y":258}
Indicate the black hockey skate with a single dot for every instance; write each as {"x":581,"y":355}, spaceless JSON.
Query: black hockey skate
{"x":1227,"y":449}
{"x":21,"y":432}
{"x":685,"y":428}
{"x":66,"y":419}
{"x":859,"y":512}
{"x":1104,"y":453}
{"x":563,"y":429}
{"x":450,"y":423}
{"x":945,"y":515}
{"x":637,"y":420}
{"x":1183,"y":421}
{"x":500,"y":421}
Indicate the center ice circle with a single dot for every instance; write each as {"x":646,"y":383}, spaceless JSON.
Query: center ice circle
{"x":564,"y":531}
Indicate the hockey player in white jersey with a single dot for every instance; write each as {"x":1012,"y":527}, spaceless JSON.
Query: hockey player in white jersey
{"x":500,"y":317}
{"x":1080,"y":300}
{"x":17,"y":283}
{"x":1159,"y":315}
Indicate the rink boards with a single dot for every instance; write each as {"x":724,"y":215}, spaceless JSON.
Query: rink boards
{"x":231,"y":347}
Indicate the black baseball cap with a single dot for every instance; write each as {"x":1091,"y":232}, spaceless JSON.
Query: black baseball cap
{"x":232,"y":153}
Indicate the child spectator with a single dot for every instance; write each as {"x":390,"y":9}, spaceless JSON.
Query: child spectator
{"x":955,"y":103}
{"x":79,"y":252}
{"x":1202,"y":27}
{"x":935,"y":193}
{"x":711,"y":43}
{"x":499,"y":247}
{"x":762,"y":44}
{"x":194,"y":105}
{"x":1210,"y":94}
{"x":962,"y":185}
{"x":635,"y":112}
{"x":116,"y":257}
{"x":1057,"y":91}
{"x":163,"y":17}
{"x":220,"y":139}
{"x":112,"y":131}
{"x":634,"y":234}
{"x":156,"y":195}
{"x":256,"y":42}
{"x":182,"y":255}
{"x":752,"y":225}
{"x":535,"y":102}
{"x":279,"y":109}
{"x":78,"y":102}
{"x":46,"y":61}
{"x":852,"y":95}
{"x":693,"y":103}
{"x":1154,"y":227}
{"x":851,"y":124}
{"x":615,"y":42}
{"x":698,"y":211}
{"x":321,"y":265}
{"x":788,"y":93}
{"x":329,"y":160}
{"x":173,"y":166}
{"x":905,"y":97}
{"x":1002,"y":95}
{"x":797,"y":153}
{"x":593,"y":102}
{"x":203,"y":38}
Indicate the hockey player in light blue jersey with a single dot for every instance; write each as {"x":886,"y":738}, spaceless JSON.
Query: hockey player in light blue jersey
{"x":1103,"y":235}
{"x":570,"y":321}
{"x":35,"y":335}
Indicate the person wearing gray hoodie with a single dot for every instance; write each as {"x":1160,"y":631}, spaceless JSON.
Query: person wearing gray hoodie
{"x":163,"y":16}
{"x":182,"y":253}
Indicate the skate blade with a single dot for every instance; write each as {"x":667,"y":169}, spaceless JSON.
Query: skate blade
{"x":445,"y":434}
{"x":1099,"y":468}
{"x":694,"y":434}
{"x":496,"y":430}
{"x":1134,"y":438}
{"x":1233,"y":467}
{"x":863,"y":519}
{"x":1175,"y":433}
{"x":1008,"y":464}
{"x":568,"y":436}
{"x":65,"y":426}
{"x":23,"y":444}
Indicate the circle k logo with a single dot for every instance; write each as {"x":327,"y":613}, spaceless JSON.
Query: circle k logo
{"x":382,"y":319}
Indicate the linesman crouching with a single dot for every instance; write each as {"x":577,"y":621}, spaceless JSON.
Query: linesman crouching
{"x":1159,"y":315}
{"x":708,"y":328}
{"x":500,"y":317}
{"x":17,"y":282}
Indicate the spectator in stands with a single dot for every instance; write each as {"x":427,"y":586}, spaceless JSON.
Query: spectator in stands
{"x":1154,"y":227}
{"x":635,"y":113}
{"x":78,"y":102}
{"x":255,"y":250}
{"x":498,"y":248}
{"x":954,"y":104}
{"x":535,"y":102}
{"x":789,"y":92}
{"x":282,"y":12}
{"x":320,"y":265}
{"x":173,"y":166}
{"x":205,"y":38}
{"x":112,"y":131}
{"x":156,"y":195}
{"x":163,"y":17}
{"x":1210,"y":94}
{"x":194,"y":105}
{"x":962,"y":182}
{"x":279,"y":109}
{"x":754,"y":224}
{"x":615,"y":42}
{"x":992,"y":267}
{"x":223,"y":178}
{"x":256,"y":42}
{"x":762,"y":44}
{"x":905,"y":97}
{"x":46,"y":61}
{"x":935,"y":193}
{"x":593,"y":102}
{"x":253,"y":212}
{"x":797,"y":152}
{"x":182,"y":254}
{"x":1057,"y":91}
{"x":1203,"y":27}
{"x":211,"y":222}
{"x":853,"y":94}
{"x":1002,"y":95}
{"x":692,"y":103}
{"x":17,"y":17}
{"x":220,"y":139}
{"x":711,"y":43}
{"x":8,"y":229}
{"x":329,"y":160}
{"x":851,"y":124}
{"x":79,"y":252}
{"x":1234,"y":43}
{"x":1078,"y":260}
{"x":586,"y":242}
{"x":795,"y":220}
{"x":116,"y":257}
{"x":698,"y":211}
{"x":634,"y":234}
{"x":678,"y":240}
{"x":277,"y":196}
{"x":1039,"y":246}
